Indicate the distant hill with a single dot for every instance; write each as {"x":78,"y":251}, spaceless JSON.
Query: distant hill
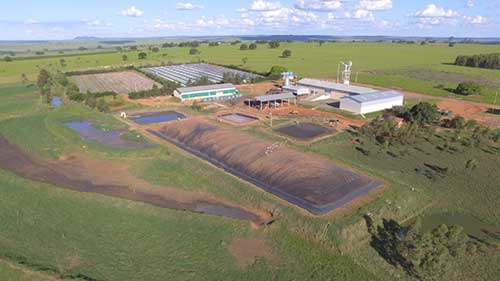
{"x":86,"y":38}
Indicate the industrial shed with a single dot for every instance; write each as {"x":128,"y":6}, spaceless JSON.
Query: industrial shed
{"x":335,"y":90}
{"x":273,"y":100}
{"x":207,"y":93}
{"x":367,"y":103}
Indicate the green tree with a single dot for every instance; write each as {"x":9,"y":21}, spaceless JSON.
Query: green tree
{"x":274,"y":44}
{"x":423,"y":113}
{"x":125,"y":58}
{"x":7,"y":58}
{"x":91,"y":100}
{"x":43,"y":80}
{"x":275,"y":72}
{"x":468,"y":88}
{"x":142,"y":55}
{"x":193,"y":51}
{"x":422,"y":255}
{"x":243,"y":47}
{"x":155,"y":49}
{"x":244,"y":60}
{"x":252,"y":46}
{"x":102,"y":105}
{"x":286,"y":53}
{"x":24,"y":79}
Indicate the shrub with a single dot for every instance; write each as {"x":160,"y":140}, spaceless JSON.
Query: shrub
{"x":193,"y":51}
{"x":252,"y":46}
{"x":286,"y":53}
{"x":244,"y":47}
{"x":274,"y":44}
{"x":468,"y":88}
{"x":102,"y":105}
{"x":142,"y":56}
{"x":423,"y":113}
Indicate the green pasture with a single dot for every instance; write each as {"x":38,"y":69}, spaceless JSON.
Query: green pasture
{"x":410,"y":67}
{"x":77,"y":235}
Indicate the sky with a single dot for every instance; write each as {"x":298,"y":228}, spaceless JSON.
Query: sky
{"x":57,"y":20}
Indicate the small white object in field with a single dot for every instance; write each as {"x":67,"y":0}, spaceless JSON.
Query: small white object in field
{"x":123,"y":114}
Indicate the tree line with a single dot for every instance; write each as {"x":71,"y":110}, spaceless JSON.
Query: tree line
{"x":491,"y":61}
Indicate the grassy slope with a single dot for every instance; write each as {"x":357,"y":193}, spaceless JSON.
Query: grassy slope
{"x":109,"y":239}
{"x":384,"y":64}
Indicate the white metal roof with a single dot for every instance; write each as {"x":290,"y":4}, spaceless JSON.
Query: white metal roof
{"x":334,"y":86}
{"x":375,"y":97}
{"x":215,"y":87}
{"x":275,"y":97}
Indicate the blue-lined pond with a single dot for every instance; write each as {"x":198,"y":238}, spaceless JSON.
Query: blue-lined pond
{"x":156,"y":117}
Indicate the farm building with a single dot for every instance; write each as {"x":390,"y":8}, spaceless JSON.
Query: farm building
{"x":207,"y":93}
{"x":275,"y":100}
{"x":298,"y":91}
{"x":334,"y":90}
{"x":373,"y":102}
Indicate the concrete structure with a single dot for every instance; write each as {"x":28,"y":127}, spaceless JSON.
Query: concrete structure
{"x":207,"y":93}
{"x":373,"y":102}
{"x":298,"y":91}
{"x":335,"y":90}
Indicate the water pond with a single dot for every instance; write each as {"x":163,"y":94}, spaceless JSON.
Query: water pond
{"x":112,"y":138}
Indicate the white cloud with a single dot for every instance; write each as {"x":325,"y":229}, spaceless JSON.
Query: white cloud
{"x":188,"y":6}
{"x":132,"y":12}
{"x":477,"y":20}
{"x":30,"y":21}
{"x":160,"y":24}
{"x":99,"y":23}
{"x":261,"y":5}
{"x":248,"y":22}
{"x":362,"y":15}
{"x":470,"y":4}
{"x":433,"y":11}
{"x":375,"y":5}
{"x":318,"y":5}
{"x":288,"y":16}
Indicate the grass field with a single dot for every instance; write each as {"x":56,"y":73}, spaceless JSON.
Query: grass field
{"x":80,"y":236}
{"x":410,"y":67}
{"x":91,"y":236}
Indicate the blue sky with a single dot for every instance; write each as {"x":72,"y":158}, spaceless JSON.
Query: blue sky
{"x":30,"y":20}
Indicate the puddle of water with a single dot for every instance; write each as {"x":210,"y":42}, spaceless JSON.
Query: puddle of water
{"x":56,"y":101}
{"x":304,"y":131}
{"x":224,"y":211}
{"x":111,"y":138}
{"x":158,"y":117}
{"x":471,"y":225}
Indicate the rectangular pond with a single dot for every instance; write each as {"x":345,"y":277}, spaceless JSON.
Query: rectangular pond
{"x":156,"y":117}
{"x":238,"y":118}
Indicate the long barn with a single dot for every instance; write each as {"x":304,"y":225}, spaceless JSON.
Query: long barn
{"x":207,"y":93}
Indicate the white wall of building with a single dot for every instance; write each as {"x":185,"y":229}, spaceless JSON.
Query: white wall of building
{"x":369,"y":107}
